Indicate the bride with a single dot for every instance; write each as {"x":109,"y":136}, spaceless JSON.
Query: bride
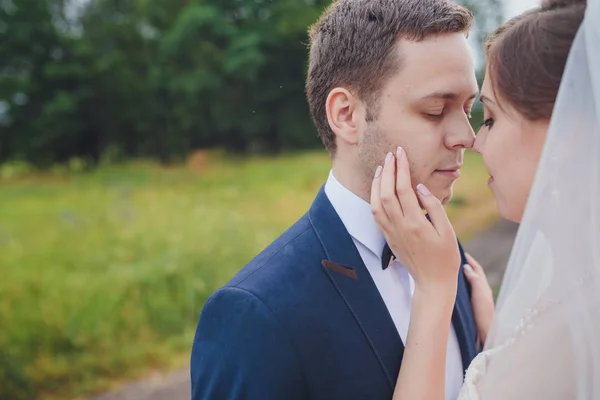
{"x":541,"y":144}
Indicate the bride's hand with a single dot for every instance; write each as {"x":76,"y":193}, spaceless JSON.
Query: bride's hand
{"x":428,"y":250}
{"x":482,"y":297}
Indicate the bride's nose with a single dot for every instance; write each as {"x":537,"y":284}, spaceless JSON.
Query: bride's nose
{"x":479,"y":141}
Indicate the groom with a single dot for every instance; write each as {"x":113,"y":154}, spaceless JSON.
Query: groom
{"x":322,"y":312}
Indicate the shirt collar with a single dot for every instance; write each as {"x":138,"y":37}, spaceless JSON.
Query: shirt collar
{"x":356,"y":215}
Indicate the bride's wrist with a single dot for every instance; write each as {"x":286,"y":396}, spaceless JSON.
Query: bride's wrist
{"x":436,"y":294}
{"x":432,"y":307}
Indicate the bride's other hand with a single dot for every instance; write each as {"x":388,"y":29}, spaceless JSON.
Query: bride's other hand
{"x":428,"y":250}
{"x":482,"y":297}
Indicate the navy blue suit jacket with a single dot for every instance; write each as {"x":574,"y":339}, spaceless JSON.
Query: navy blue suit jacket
{"x":304,"y":320}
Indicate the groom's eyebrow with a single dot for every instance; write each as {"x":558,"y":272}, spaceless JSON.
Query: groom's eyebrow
{"x":447,"y":96}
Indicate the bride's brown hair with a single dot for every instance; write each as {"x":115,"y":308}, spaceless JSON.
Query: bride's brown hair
{"x":527,"y":56}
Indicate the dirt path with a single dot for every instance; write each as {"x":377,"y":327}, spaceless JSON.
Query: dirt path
{"x":492,"y":249}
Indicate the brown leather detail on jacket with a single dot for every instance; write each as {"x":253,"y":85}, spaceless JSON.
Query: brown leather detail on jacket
{"x":349,"y":272}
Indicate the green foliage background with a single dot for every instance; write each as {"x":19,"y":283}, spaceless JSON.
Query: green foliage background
{"x":115,"y":79}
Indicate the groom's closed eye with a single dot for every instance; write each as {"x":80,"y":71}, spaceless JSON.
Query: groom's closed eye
{"x":435,"y":115}
{"x":439,"y":104}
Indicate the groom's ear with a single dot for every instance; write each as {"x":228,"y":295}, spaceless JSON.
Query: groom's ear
{"x":344,"y":114}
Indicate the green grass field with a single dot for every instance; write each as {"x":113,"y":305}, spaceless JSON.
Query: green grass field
{"x":103,"y":274}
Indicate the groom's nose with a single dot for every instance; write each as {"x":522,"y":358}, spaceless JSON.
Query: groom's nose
{"x":459,"y":134}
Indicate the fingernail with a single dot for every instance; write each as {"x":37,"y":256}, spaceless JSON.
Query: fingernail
{"x":423,"y":189}
{"x":468,"y":268}
{"x":388,"y":158}
{"x":399,"y":153}
{"x":378,"y":171}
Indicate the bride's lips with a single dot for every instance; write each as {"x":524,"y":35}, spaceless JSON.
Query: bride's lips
{"x":491,"y":180}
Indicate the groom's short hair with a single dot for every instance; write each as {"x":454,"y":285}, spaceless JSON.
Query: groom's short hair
{"x":353,"y":42}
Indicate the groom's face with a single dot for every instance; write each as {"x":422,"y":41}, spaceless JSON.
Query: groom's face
{"x":425,"y":109}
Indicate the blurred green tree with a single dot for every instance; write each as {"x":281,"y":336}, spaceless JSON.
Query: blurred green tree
{"x":103,"y":79}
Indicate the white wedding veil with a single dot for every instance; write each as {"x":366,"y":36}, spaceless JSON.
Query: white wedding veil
{"x":545,"y":339}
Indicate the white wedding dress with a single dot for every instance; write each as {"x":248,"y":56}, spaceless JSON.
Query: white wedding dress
{"x":545,"y":339}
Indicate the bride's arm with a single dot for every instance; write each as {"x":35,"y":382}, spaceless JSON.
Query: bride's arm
{"x":422,"y":374}
{"x":430,"y":253}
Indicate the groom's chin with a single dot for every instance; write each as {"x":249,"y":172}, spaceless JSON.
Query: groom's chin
{"x":441,"y":187}
{"x":443,"y":198}
{"x":444,"y":195}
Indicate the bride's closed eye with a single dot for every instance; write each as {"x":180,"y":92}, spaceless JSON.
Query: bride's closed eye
{"x":488,"y":123}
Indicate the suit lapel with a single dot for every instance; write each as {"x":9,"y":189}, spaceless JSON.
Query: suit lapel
{"x":462,"y":318}
{"x":356,"y":287}
{"x":349,"y":275}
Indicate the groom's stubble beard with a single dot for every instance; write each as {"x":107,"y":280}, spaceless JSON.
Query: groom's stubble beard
{"x":371,"y":153}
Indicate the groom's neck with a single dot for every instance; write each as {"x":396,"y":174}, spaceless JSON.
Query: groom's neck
{"x":354,"y":181}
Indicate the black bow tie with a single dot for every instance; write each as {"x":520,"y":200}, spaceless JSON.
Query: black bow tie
{"x":386,"y":256}
{"x":387,"y":253}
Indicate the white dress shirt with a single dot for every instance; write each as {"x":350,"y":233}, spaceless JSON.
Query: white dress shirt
{"x":395,"y":284}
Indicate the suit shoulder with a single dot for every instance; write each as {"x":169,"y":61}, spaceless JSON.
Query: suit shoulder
{"x":296,"y":247}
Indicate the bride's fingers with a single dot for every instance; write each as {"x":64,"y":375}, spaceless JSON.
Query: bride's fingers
{"x":391,"y":205}
{"x":376,"y":206}
{"x":476,"y":275}
{"x":406,"y":196}
{"x":477,"y":268}
{"x":436,"y":211}
{"x":470,"y":274}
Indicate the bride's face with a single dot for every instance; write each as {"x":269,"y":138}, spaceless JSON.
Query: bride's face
{"x":511,"y":146}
